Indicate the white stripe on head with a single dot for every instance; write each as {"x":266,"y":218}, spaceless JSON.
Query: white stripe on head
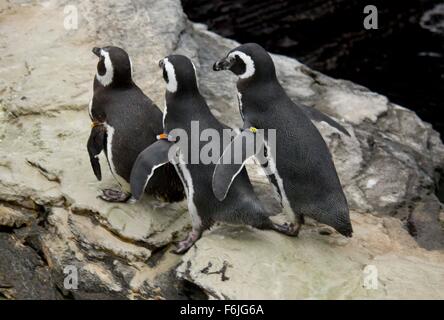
{"x":107,"y":78}
{"x":131,"y":66}
{"x":195,"y":73}
{"x":172,"y":81}
{"x":249,"y":63}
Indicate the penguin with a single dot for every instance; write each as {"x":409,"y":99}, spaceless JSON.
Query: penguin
{"x":185,"y":108}
{"x":301,"y":166}
{"x":124,"y":122}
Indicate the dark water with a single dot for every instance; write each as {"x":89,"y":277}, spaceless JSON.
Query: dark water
{"x":403,"y":59}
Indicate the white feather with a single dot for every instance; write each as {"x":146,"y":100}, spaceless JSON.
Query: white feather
{"x":272,"y":168}
{"x":151,"y":174}
{"x":249,"y":63}
{"x":107,"y":78}
{"x":131,"y":66}
{"x":239,"y":98}
{"x":172,"y":81}
{"x":195,"y":73}
{"x":109,"y":153}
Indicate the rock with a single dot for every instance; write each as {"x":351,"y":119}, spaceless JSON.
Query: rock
{"x":240,"y":263}
{"x":13,"y":218}
{"x":108,"y":265}
{"x":354,"y":106}
{"x":389,"y":168}
{"x":23,"y":274}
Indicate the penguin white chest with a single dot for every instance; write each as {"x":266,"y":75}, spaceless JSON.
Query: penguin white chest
{"x":90,"y":109}
{"x":109,"y":154}
{"x":187,"y":181}
{"x":165,"y":111}
{"x":239,"y":98}
{"x":272,"y":169}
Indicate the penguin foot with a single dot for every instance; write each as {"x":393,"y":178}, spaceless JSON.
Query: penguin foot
{"x":111,"y":195}
{"x":186,"y":244}
{"x":131,"y":200}
{"x":288,"y":229}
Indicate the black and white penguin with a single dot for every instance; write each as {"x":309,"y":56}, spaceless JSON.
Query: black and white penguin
{"x":124,"y":122}
{"x":301,"y":166}
{"x":185,"y":108}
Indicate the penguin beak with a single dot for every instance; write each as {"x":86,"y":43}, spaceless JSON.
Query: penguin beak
{"x":223,"y":64}
{"x":161,"y":64}
{"x":97,"y":51}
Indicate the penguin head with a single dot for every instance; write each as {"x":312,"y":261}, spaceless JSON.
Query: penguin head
{"x":248,"y":61}
{"x":179,"y":74}
{"x":114,"y":67}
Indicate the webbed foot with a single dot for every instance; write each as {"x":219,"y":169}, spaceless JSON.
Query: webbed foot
{"x":288,"y":229}
{"x":186,"y":244}
{"x":111,"y":195}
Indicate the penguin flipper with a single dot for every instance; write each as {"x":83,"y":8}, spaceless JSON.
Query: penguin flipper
{"x":233,"y":159}
{"x":319,"y":116}
{"x":95,"y":145}
{"x":153,"y":157}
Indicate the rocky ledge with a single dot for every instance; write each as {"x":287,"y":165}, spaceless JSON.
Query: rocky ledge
{"x":51,"y":220}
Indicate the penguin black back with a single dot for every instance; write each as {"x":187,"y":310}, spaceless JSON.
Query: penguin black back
{"x":125,"y":121}
{"x":187,"y":111}
{"x":304,"y":170}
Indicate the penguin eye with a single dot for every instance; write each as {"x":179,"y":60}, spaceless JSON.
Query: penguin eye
{"x":239,"y":66}
{"x":165,"y":75}
{"x":101,"y":69}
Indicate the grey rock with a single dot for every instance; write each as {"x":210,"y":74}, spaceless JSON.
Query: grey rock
{"x":23,"y":274}
{"x":13,"y":218}
{"x":240,"y":263}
